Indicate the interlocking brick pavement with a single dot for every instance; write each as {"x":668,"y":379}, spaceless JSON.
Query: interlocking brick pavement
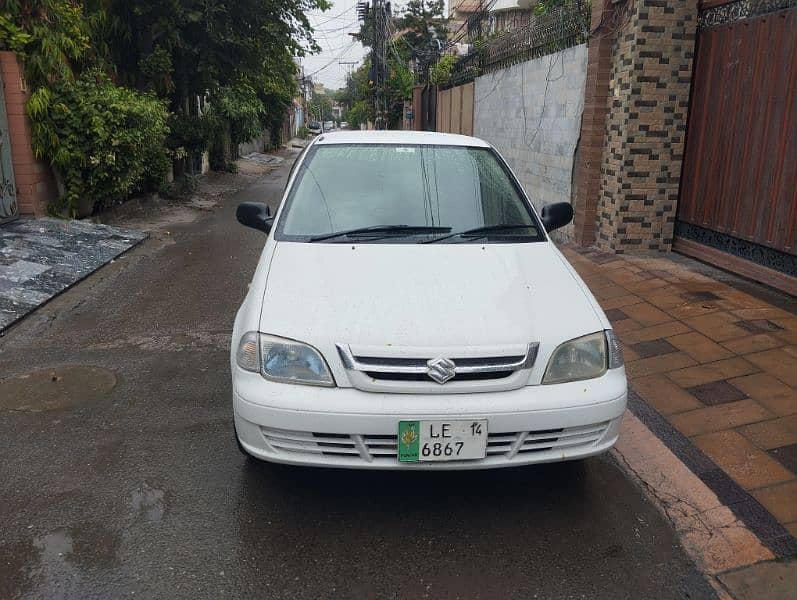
{"x":715,"y":358}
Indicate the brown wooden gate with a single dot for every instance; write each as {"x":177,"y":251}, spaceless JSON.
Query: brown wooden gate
{"x":738,"y":198}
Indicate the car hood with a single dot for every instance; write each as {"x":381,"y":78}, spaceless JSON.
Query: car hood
{"x":427,"y":295}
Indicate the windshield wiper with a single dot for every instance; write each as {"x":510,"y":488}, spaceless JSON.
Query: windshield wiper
{"x":480,"y":231}
{"x":403,"y":229}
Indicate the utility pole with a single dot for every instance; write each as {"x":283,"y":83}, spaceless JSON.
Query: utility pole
{"x":377,"y":14}
{"x":348,"y":63}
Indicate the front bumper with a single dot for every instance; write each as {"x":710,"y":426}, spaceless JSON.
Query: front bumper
{"x":345,"y":427}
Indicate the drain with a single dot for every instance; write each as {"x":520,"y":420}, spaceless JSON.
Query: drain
{"x":57,"y":388}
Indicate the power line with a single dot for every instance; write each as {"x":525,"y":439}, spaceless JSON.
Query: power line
{"x":338,"y":16}
{"x":337,"y":58}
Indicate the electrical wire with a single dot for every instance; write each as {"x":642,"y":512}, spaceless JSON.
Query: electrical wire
{"x":338,"y":16}
{"x":329,"y":64}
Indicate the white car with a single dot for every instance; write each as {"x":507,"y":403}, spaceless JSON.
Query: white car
{"x":410,"y":311}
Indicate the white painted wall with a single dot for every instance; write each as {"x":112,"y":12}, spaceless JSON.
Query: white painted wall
{"x":531,"y":112}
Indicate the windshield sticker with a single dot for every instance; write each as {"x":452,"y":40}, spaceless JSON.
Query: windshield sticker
{"x":406,"y":150}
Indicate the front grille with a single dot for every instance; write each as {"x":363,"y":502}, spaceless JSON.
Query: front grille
{"x":384,"y":448}
{"x":405,"y":373}
{"x":425,"y":377}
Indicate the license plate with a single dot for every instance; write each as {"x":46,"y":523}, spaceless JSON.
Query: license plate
{"x":432,"y":441}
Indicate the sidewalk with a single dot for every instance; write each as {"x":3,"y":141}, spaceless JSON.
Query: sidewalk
{"x":716,"y":360}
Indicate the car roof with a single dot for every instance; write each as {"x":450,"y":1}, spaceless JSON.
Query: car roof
{"x":399,"y":137}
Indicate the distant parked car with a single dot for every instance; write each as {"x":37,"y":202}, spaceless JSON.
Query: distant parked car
{"x":344,"y":125}
{"x":314,"y":127}
{"x":410,"y":310}
{"x":329,"y":125}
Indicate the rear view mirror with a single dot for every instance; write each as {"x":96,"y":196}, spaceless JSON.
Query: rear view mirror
{"x":556,"y":215}
{"x":255,"y":215}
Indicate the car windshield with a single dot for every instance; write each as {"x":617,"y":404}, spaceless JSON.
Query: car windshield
{"x":411,"y":193}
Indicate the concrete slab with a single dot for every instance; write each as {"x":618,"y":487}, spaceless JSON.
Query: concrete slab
{"x":41,"y":258}
{"x":772,"y":580}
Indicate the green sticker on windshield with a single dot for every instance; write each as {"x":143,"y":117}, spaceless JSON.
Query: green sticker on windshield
{"x":409,"y":436}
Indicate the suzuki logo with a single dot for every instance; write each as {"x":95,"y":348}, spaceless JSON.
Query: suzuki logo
{"x":441,"y":369}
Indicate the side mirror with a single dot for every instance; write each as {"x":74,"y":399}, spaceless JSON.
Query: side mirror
{"x":255,"y":215}
{"x":556,"y":215}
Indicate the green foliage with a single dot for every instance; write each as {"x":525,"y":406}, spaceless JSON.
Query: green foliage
{"x":543,"y":7}
{"x":156,"y":71}
{"x":440,"y":73}
{"x":358,"y":114}
{"x":12,"y":37}
{"x":105,"y":141}
{"x":189,"y":134}
{"x":211,"y":44}
{"x":240,"y":52}
{"x":425,"y":20}
{"x":399,"y":90}
{"x":321,"y":107}
{"x":57,"y":37}
{"x":303,"y":133}
{"x":240,"y":106}
{"x":424,"y":31}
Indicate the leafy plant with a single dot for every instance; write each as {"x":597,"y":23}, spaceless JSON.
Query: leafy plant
{"x":56,"y":37}
{"x":544,"y":7}
{"x":358,"y":114}
{"x":105,"y":141}
{"x":12,"y":37}
{"x":440,"y":73}
{"x":240,"y":106}
{"x":189,"y":134}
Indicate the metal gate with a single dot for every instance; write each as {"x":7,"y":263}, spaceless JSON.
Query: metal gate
{"x":8,"y":189}
{"x":428,"y":114}
{"x":738,"y":193}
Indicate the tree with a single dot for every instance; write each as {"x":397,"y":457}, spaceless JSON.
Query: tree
{"x":427,"y":32}
{"x":192,"y":46}
{"x":239,"y":53}
{"x":423,"y":36}
{"x":321,"y":107}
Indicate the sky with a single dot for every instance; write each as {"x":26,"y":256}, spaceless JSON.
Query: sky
{"x":332,"y":29}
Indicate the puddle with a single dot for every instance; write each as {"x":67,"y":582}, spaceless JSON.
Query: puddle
{"x":56,"y":388}
{"x":18,"y":564}
{"x":148,"y":503}
{"x":59,"y":555}
{"x":166,"y":342}
{"x":94,"y":546}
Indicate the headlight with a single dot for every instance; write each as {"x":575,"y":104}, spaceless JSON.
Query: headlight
{"x":581,"y":358}
{"x":616,"y":359}
{"x":282,"y":360}
{"x":248,"y":354}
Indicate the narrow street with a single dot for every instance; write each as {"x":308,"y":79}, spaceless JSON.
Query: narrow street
{"x":124,"y":479}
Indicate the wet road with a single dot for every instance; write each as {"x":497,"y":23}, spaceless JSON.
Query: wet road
{"x":126,"y":481}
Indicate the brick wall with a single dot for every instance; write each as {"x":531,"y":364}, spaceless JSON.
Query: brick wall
{"x":35,"y":186}
{"x":587,"y":181}
{"x":648,"y":98}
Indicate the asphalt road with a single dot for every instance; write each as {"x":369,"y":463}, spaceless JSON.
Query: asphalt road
{"x":119,"y":475}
